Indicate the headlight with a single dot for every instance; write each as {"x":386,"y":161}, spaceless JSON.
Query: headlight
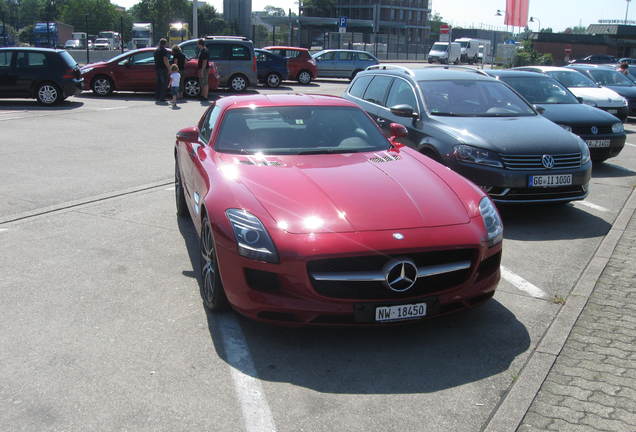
{"x":566,"y":127}
{"x":251,"y":236}
{"x":585,"y":152}
{"x":618,"y":128}
{"x":492,"y":221}
{"x":476,"y":155}
{"x":625,"y":102}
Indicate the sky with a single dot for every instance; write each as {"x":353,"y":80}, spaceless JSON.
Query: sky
{"x":557,"y":14}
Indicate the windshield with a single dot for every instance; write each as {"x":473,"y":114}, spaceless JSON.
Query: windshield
{"x":608,"y":77}
{"x":541,"y":90}
{"x":101,"y":40}
{"x":119,"y":57}
{"x":141,"y":34}
{"x":439,"y":47}
{"x":571,"y":79}
{"x":106,"y":34}
{"x":464,"y":44}
{"x":473,"y":98}
{"x":69,"y":60}
{"x":299,"y":130}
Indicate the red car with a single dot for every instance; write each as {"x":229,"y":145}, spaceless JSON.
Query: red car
{"x":300,"y":65}
{"x":135,"y":71}
{"x":308,"y":214}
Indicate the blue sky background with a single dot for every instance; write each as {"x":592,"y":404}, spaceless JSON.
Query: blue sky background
{"x":557,"y":14}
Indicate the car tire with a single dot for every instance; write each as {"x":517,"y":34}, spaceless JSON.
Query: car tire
{"x":304,"y":77}
{"x":273,"y":80}
{"x":179,"y":193}
{"x":212,"y":292}
{"x":599,"y":160}
{"x":102,"y":86}
{"x":191,"y":87}
{"x":353,"y":75}
{"x":238,"y":83}
{"x":48,"y":93}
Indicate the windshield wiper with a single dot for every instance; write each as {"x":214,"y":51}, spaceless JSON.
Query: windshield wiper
{"x":448,"y":114}
{"x":327,"y":151}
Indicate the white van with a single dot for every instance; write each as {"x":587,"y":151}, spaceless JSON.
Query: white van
{"x":444,"y":52}
{"x":470,"y":49}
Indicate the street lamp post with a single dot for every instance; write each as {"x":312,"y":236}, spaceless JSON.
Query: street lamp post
{"x":533,"y":19}
{"x":501,"y":13}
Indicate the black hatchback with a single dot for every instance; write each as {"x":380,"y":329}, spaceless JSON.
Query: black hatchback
{"x":48,"y":75}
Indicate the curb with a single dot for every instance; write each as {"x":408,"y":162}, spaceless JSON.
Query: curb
{"x":517,"y":401}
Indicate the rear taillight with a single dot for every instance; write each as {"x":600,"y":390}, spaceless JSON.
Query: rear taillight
{"x":69,"y":74}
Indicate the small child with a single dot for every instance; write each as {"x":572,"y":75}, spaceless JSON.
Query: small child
{"x":175,"y":79}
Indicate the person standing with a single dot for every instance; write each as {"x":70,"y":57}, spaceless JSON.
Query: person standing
{"x":161,"y":70}
{"x":175,"y":81}
{"x":623,"y":68}
{"x":179,"y":59}
{"x":202,"y":68}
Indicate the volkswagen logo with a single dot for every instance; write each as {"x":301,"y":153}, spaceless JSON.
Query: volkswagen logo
{"x":398,"y":236}
{"x":547,"y":161}
{"x":400,"y":275}
{"x":594,"y":130}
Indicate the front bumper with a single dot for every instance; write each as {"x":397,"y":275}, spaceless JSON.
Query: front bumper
{"x":507,"y":186}
{"x":286,"y":293}
{"x":620,"y":112}
{"x":617,"y":142}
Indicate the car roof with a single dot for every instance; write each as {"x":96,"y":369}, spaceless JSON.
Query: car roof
{"x":285,"y":47}
{"x":34,"y":49}
{"x":289,"y":99}
{"x":547,"y":68}
{"x":589,"y":66}
{"x":343,"y":50}
{"x":513,"y":73}
{"x":429,"y":73}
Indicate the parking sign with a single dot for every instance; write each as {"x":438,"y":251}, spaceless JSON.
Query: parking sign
{"x":342,"y":22}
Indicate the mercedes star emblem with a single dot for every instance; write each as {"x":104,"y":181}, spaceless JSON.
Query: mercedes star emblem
{"x":547,"y":161}
{"x":400,"y":275}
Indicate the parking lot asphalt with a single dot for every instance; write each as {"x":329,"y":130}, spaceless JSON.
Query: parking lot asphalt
{"x":102,"y":327}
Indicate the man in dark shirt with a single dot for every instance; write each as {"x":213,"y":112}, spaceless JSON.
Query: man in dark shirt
{"x":202,"y":68}
{"x":161,"y":70}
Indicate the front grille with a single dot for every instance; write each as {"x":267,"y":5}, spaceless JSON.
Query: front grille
{"x":533,"y":162}
{"x":587,"y":130}
{"x":366,"y":290}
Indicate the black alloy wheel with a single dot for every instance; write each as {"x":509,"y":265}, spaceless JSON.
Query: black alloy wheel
{"x":212,"y":291}
{"x":273,"y":80}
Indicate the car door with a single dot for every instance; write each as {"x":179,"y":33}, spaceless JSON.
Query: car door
{"x":121,"y":72}
{"x":375,"y":97}
{"x":30,"y":68}
{"x":402,"y":92}
{"x":7,"y":75}
{"x":364,"y":60}
{"x":326,"y":64}
{"x":141,"y":71}
{"x":344,"y":64}
{"x":264,"y":64}
{"x":220,"y":54}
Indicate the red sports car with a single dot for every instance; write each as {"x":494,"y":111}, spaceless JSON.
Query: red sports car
{"x":308,"y":214}
{"x":135,"y":71}
{"x":300,"y":65}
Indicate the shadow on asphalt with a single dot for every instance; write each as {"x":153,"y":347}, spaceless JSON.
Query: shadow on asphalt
{"x":551,"y":222}
{"x":33,"y":105}
{"x":607,"y":169}
{"x":429,"y":356}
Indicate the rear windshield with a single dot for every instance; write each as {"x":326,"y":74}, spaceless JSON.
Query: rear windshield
{"x":541,"y":90}
{"x":299,"y":130}
{"x":571,"y":79}
{"x":69,"y":60}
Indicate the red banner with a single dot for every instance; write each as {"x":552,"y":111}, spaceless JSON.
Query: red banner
{"x":517,"y":13}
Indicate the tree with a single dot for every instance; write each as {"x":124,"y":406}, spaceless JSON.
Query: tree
{"x":319,"y":8}
{"x":546,"y":30}
{"x":274,"y":11}
{"x":528,"y":56}
{"x":575,"y":30}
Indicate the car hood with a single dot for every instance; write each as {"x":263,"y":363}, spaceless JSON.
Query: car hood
{"x":501,"y":134}
{"x":347,"y":192}
{"x":577,"y":114}
{"x":625,"y":91}
{"x":601,"y":96}
{"x":93,"y":65}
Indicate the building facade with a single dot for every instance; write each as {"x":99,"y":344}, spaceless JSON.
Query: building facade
{"x":238,"y":13}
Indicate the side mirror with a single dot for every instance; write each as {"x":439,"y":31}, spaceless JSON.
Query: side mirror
{"x":580,"y":99}
{"x":404,"y":110}
{"x":190,"y":134}
{"x":539,"y":109}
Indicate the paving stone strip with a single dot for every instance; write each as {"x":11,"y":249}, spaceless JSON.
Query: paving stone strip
{"x":592,"y":384}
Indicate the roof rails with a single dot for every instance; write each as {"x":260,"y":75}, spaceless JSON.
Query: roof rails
{"x":459,"y":68}
{"x":391,"y":67}
{"x":228,"y":37}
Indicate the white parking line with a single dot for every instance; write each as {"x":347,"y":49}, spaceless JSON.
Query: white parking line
{"x":522,"y":284}
{"x":112,"y":108}
{"x":170,"y":188}
{"x":592,"y":206}
{"x":631,"y":145}
{"x":257,"y":416}
{"x":4,"y":229}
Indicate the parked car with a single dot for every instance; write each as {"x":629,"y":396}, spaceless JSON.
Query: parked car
{"x":271,"y":68}
{"x":135,"y":71}
{"x":234,"y":59}
{"x":300,"y":65}
{"x":307,"y":214}
{"x":603,"y":132}
{"x":479,"y":127}
{"x":596,"y":58}
{"x":445,"y":52}
{"x":627,"y":60}
{"x":583,"y":87}
{"x":73,"y":44}
{"x":342,"y":63}
{"x":609,"y":77}
{"x":48,"y":75}
{"x":101,"y":44}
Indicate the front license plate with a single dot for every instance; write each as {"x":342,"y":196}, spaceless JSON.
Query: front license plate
{"x":598,"y":143}
{"x":401,"y":312}
{"x":611,"y":111}
{"x":550,"y":180}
